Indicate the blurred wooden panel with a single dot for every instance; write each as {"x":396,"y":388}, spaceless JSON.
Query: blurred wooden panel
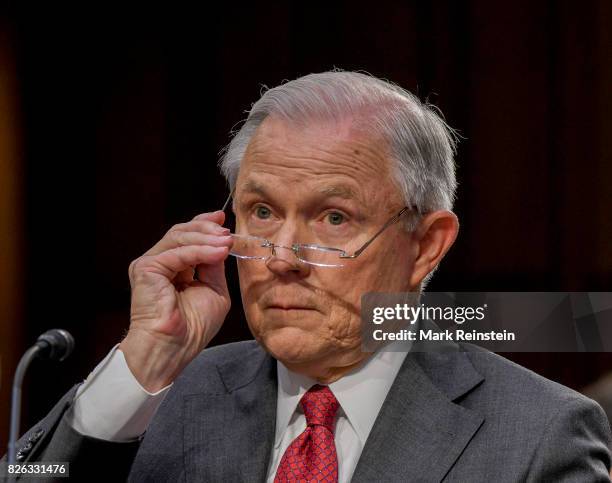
{"x":604,"y":123}
{"x":10,"y":230}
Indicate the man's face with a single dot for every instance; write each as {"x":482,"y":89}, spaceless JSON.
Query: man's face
{"x":321,"y":185}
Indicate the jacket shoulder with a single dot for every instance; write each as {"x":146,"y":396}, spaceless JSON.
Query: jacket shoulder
{"x":505,"y":378}
{"x":549,"y":427}
{"x":221,"y":368}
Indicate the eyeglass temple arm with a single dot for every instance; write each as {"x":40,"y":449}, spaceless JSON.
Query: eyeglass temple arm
{"x":393,"y":220}
{"x":227,"y":201}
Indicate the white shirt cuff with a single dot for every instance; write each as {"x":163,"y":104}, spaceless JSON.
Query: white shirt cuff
{"x":111,"y":404}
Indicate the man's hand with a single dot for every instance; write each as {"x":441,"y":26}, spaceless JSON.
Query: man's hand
{"x":173,"y":316}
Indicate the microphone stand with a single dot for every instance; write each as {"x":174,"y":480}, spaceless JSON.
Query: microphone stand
{"x":24,"y":362}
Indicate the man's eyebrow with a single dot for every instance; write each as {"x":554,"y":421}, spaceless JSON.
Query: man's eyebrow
{"x":254,"y":187}
{"x":341,"y":191}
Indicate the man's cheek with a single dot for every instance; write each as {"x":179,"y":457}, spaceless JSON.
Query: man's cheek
{"x":344,"y":327}
{"x":344,"y":307}
{"x":252,"y":309}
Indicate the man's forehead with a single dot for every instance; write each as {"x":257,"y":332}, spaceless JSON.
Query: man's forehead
{"x":316,"y":160}
{"x":312,"y":137}
{"x":274,"y":127}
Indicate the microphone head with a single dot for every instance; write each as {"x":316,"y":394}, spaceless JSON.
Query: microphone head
{"x":55,"y":344}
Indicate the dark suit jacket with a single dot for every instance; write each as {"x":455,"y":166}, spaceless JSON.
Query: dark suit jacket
{"x":460,"y":416}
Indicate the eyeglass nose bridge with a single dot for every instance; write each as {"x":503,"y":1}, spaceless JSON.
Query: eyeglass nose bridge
{"x":295,"y":248}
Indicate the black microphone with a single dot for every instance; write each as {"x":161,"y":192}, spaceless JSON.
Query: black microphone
{"x":55,"y":344}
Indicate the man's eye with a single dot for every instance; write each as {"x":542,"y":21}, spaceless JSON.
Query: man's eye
{"x":335,"y":218}
{"x":263,"y":212}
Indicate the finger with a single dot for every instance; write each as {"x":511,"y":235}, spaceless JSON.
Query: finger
{"x":171,"y":262}
{"x":203,"y":226}
{"x":216,"y":216}
{"x":174,"y":239}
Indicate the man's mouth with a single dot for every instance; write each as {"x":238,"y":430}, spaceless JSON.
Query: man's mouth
{"x":288,"y":307}
{"x":289,"y":301}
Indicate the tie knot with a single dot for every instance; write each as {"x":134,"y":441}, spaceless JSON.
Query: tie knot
{"x":320,"y":406}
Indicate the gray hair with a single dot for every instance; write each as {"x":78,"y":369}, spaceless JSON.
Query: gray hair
{"x":421,"y":145}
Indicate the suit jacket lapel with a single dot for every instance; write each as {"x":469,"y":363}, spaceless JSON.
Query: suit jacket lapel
{"x":420,"y":432}
{"x":228,"y":436}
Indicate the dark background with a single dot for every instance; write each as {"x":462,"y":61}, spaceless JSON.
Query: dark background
{"x":112,"y":121}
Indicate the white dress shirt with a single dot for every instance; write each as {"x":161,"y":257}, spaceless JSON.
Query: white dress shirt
{"x":113,"y":406}
{"x":361,"y":394}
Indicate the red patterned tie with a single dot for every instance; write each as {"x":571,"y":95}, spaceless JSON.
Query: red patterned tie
{"x":312,"y":455}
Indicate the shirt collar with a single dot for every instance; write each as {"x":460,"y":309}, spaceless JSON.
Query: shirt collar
{"x":361,"y":392}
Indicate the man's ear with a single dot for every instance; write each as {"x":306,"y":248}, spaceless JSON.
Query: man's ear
{"x":433,"y":236}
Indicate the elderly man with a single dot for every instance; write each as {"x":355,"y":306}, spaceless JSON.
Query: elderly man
{"x":341,"y":184}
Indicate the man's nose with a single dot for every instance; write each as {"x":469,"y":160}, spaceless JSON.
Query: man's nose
{"x":283,"y":259}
